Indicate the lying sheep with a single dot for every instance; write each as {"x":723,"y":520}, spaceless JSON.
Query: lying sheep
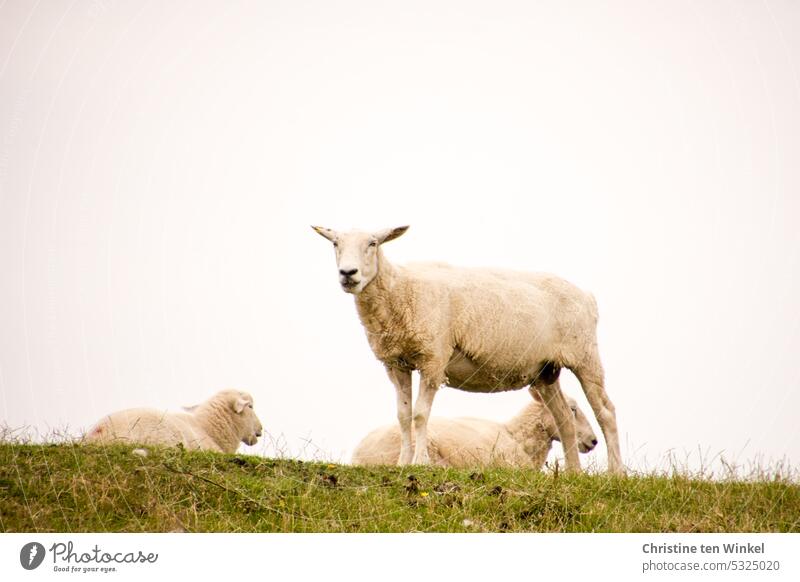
{"x":524,"y":441}
{"x":218,"y":424}
{"x":480,"y":330}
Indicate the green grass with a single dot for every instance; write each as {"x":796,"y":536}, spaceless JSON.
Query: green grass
{"x":70,"y":488}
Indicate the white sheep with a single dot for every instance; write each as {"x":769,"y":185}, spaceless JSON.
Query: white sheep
{"x":480,"y":330}
{"x":524,"y":441}
{"x":218,"y":424}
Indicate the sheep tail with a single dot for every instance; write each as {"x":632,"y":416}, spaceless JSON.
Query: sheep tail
{"x":593,"y":306}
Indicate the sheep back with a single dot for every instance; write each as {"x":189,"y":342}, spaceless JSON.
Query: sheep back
{"x":456,"y":442}
{"x":151,"y":427}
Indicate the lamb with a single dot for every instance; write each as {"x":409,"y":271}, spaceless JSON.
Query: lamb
{"x":479,"y":330}
{"x":524,"y":441}
{"x":218,"y":424}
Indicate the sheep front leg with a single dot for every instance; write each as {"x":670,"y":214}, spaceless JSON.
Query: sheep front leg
{"x":422,"y":412}
{"x":402,"y":384}
{"x":565,"y":423}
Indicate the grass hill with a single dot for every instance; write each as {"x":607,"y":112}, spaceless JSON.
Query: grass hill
{"x":70,"y":488}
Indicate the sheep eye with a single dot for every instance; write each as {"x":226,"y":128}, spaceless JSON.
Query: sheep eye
{"x":373,"y":243}
{"x":335,"y":244}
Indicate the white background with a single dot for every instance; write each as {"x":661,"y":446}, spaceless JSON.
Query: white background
{"x":160,"y":165}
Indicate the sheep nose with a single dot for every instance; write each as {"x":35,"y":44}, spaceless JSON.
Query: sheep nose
{"x":594,"y":442}
{"x":348,"y":272}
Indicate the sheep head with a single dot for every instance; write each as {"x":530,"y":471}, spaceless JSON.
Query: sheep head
{"x":357,"y":254}
{"x":584,"y":433}
{"x":583,"y":430}
{"x":245,"y":417}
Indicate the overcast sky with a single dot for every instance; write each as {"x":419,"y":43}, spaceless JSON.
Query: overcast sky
{"x":160,"y":166}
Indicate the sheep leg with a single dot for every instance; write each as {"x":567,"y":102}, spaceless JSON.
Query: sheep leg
{"x":590,"y":375}
{"x":565,"y":423}
{"x":422,"y":411}
{"x":402,"y":384}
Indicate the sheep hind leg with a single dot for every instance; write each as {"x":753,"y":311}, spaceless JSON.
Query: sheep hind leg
{"x":555,"y":402}
{"x":590,"y":375}
{"x":402,"y":383}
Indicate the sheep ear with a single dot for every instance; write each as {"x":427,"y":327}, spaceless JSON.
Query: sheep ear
{"x":326,"y":232}
{"x":390,"y":234}
{"x":239,"y":405}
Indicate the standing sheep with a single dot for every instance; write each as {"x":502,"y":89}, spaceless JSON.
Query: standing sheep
{"x":218,"y":424}
{"x":480,"y":330}
{"x":524,"y":441}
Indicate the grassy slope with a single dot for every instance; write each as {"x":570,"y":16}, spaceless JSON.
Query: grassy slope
{"x":69,"y":488}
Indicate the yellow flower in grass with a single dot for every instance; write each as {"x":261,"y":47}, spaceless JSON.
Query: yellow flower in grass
{"x":423,"y":494}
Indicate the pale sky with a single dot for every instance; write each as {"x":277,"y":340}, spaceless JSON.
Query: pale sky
{"x":160,"y":165}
